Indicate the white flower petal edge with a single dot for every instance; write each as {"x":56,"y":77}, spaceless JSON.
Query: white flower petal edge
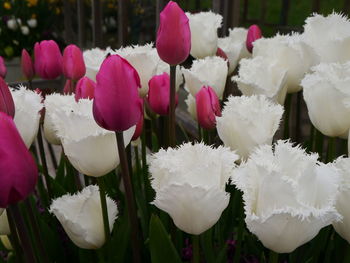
{"x":204,"y":36}
{"x":332,"y":46}
{"x":190,"y":184}
{"x":93,"y":59}
{"x":343,"y":227}
{"x":306,"y":192}
{"x":191,"y":106}
{"x":210,"y":71}
{"x":81,"y":216}
{"x":327,"y":96}
{"x":91,"y":149}
{"x":247,"y":122}
{"x":27,"y":116}
{"x":259,"y":75}
{"x":235,"y":46}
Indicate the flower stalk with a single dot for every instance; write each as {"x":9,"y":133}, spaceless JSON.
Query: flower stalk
{"x":172,"y":122}
{"x":195,"y":244}
{"x":44,"y":163}
{"x":102,"y":190}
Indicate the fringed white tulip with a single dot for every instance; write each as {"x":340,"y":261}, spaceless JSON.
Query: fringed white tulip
{"x":190,"y":184}
{"x":27,"y":116}
{"x":191,"y":106}
{"x":211,"y":71}
{"x":81,"y":216}
{"x":93,"y":59}
{"x":53,"y":103}
{"x":4,"y":224}
{"x":289,"y":53}
{"x":204,"y":33}
{"x":247,"y":122}
{"x":261,"y":76}
{"x":288,"y":195}
{"x":329,"y":36}
{"x":91,"y":149}
{"x":327,"y":97}
{"x":234,"y":46}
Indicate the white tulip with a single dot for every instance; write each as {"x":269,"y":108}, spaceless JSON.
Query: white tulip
{"x":91,"y":149}
{"x":327,"y":96}
{"x":210,"y":71}
{"x":4,"y":224}
{"x":234,"y":46}
{"x":93,"y":59}
{"x":191,"y":106}
{"x":204,"y":33}
{"x":164,"y":67}
{"x":329,"y":36}
{"x":247,"y":122}
{"x":81,"y":216}
{"x":144,"y":59}
{"x":288,"y":195}
{"x":289,"y":53}
{"x":190,"y":184}
{"x":32,"y":22}
{"x":27,"y":116}
{"x":52,"y":103}
{"x":261,"y":76}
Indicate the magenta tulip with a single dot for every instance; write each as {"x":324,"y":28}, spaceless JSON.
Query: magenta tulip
{"x":6,"y":101}
{"x":47,"y":59}
{"x":253,"y":34}
{"x":3,"y":69}
{"x":117,"y":105}
{"x":174,"y":36}
{"x":85,"y":89}
{"x":27,"y":65}
{"x":138,"y":130}
{"x":208,"y":107}
{"x":73,"y":63}
{"x":18,"y":172}
{"x":68,"y":87}
{"x":159,"y":94}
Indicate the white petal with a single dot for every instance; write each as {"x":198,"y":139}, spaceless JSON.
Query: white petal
{"x":191,"y":106}
{"x":93,"y":59}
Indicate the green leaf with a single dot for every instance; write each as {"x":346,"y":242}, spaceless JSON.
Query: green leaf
{"x":161,"y":247}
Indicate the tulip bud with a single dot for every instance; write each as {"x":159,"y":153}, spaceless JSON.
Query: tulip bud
{"x":6,"y":102}
{"x":117,"y":105}
{"x":208,"y":107}
{"x":222,"y":54}
{"x":68,"y":87}
{"x":174,"y":36}
{"x":18,"y":171}
{"x":48,"y":59}
{"x":254,"y":33}
{"x":3,"y":69}
{"x":27,"y":65}
{"x":85,"y":89}
{"x":138,"y":130}
{"x":159,"y":94}
{"x":73,"y":63}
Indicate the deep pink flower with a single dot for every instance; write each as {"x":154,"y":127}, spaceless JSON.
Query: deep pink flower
{"x":73,"y":63}
{"x":18,"y":172}
{"x":159,"y":94}
{"x":68,"y":87}
{"x":27,"y":65}
{"x":138,"y":130}
{"x":117,"y":105}
{"x":48,"y":59}
{"x":208,"y":107}
{"x":3,"y":69}
{"x":6,"y":101}
{"x":174,"y":35}
{"x":85,"y":89}
{"x":253,"y":34}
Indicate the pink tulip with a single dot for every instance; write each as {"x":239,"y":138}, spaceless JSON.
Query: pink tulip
{"x":18,"y":172}
{"x":73,"y":63}
{"x":117,"y":105}
{"x":6,"y":102}
{"x":208,"y":107}
{"x":222,"y":54}
{"x":254,"y":33}
{"x":85,"y":89}
{"x":27,"y":65}
{"x":3,"y":69}
{"x":159,"y":94}
{"x":68,"y":87}
{"x":48,"y":59}
{"x":174,"y":36}
{"x":138,"y":130}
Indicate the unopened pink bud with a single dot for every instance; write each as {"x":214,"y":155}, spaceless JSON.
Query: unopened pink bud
{"x":253,"y":34}
{"x":85,"y":89}
{"x":73,"y":63}
{"x":208,"y":107}
{"x":27,"y":65}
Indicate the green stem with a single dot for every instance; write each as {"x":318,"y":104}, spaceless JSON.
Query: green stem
{"x":14,"y":238}
{"x":298,"y":117}
{"x":319,"y":144}
{"x":195,"y":246}
{"x":237,"y":256}
{"x":310,"y":144}
{"x":13,"y":210}
{"x":102,"y":188}
{"x":206,"y":137}
{"x":129,"y":198}
{"x":44,"y":163}
{"x":330,"y":149}
{"x":172,"y":133}
{"x":287,"y":108}
{"x":273,"y":257}
{"x":199,"y":132}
